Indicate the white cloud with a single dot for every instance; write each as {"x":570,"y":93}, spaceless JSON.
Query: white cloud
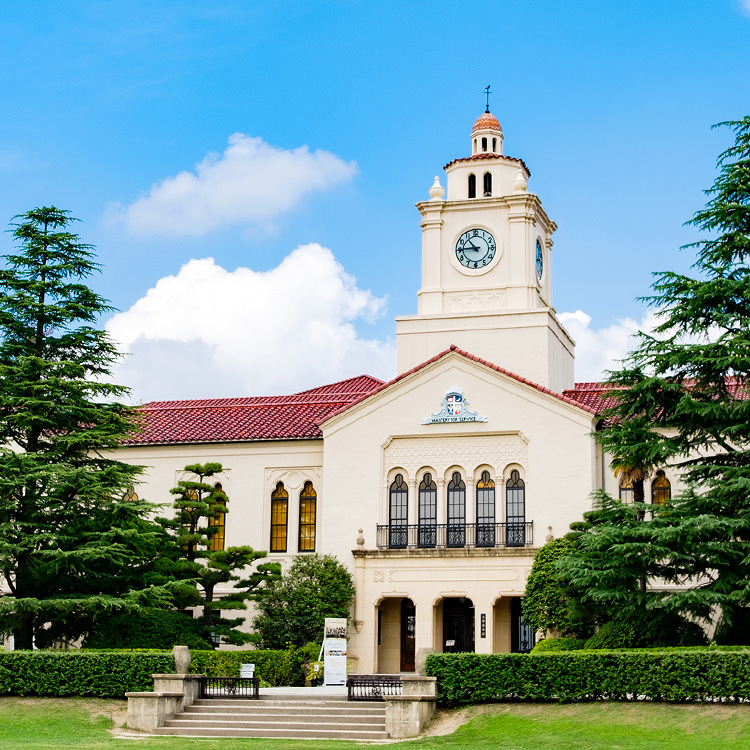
{"x":207,"y":332}
{"x":602,"y":349}
{"x":250,"y":184}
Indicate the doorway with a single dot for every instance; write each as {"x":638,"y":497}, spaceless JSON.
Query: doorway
{"x":458,"y":625}
{"x":408,"y":635}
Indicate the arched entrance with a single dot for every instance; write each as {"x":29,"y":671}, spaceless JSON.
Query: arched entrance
{"x":396,"y":635}
{"x":458,"y":625}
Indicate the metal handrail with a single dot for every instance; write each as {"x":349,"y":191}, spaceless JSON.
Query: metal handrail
{"x":372,"y":687}
{"x":455,"y":535}
{"x":230,"y":687}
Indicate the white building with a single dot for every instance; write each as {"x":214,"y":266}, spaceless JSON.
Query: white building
{"x":438,"y":487}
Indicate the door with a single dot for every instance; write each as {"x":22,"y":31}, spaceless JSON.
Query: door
{"x":408,"y":635}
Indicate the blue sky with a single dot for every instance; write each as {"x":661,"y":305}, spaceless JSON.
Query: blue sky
{"x":289,"y":140}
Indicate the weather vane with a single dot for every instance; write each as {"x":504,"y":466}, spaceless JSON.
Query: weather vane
{"x":487,"y":94}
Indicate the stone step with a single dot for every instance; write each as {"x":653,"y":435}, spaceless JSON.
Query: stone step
{"x":281,"y":712}
{"x":287,"y":717}
{"x":284,"y":733}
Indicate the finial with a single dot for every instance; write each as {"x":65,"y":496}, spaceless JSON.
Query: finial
{"x":487,"y":93}
{"x":436,"y":191}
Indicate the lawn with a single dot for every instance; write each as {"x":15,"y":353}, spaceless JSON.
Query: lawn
{"x":86,"y":723}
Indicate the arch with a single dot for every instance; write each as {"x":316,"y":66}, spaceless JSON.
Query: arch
{"x":472,"y":186}
{"x":396,"y":634}
{"x":487,"y":180}
{"x":279,"y":517}
{"x":484,"y":144}
{"x":218,"y":521}
{"x":474,"y":146}
{"x":458,"y":624}
{"x":661,"y":489}
{"x":485,"y":510}
{"x":308,"y":508}
{"x":626,"y":492}
{"x":427,"y":512}
{"x":494,"y":145}
{"x":456,"y":496}
{"x":398,"y":513}
{"x":515,"y":510}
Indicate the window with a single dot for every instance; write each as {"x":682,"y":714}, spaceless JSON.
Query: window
{"x":398,"y":513}
{"x":661,"y":489}
{"x":279,"y":510}
{"x":308,"y":499}
{"x":427,"y":533}
{"x":484,"y":144}
{"x":456,"y":511}
{"x":515,"y":510}
{"x":472,"y":186}
{"x":626,"y":492}
{"x":487,"y":184}
{"x":494,"y":145}
{"x":485,"y":511}
{"x":218,"y":522}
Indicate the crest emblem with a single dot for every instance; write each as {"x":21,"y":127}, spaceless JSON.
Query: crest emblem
{"x":454,"y":409}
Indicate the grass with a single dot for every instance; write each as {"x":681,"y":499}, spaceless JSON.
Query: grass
{"x":85,"y":724}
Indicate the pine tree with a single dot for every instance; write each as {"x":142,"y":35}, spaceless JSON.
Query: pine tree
{"x":197,"y":527}
{"x":71,"y":544}
{"x":682,"y":399}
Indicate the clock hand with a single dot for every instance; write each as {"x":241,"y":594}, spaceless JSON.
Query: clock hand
{"x":471,"y":245}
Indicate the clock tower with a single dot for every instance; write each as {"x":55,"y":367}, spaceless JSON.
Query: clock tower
{"x":486,"y":271}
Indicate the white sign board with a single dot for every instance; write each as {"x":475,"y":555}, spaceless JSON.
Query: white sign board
{"x":334,"y":661}
{"x":334,"y":651}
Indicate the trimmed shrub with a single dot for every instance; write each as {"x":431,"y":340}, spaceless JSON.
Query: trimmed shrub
{"x":558,"y":644}
{"x":662,"y":632}
{"x":676,"y":675}
{"x":275,"y":667}
{"x":150,"y":628}
{"x":64,"y":673}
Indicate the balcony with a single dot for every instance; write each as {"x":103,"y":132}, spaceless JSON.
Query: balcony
{"x":455,"y":536}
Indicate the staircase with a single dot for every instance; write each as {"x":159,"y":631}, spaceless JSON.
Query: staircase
{"x":290,"y":716}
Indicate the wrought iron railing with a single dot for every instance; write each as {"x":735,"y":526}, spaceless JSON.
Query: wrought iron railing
{"x":372,"y":687}
{"x":230,"y":687}
{"x":451,"y":535}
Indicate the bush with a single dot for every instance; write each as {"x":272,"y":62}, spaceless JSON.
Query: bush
{"x":275,"y":667}
{"x":558,"y":644}
{"x":293,"y":609}
{"x":150,"y":628}
{"x":65,"y":673}
{"x":677,"y":675}
{"x":662,"y":632}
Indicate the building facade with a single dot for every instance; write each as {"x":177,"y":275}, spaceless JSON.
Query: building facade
{"x":436,"y":488}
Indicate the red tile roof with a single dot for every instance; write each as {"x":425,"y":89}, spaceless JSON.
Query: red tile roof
{"x":486,"y":121}
{"x":488,"y":155}
{"x":245,"y":419}
{"x":566,"y":397}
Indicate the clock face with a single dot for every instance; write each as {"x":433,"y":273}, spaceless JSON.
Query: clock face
{"x":539,"y":260}
{"x":475,"y":248}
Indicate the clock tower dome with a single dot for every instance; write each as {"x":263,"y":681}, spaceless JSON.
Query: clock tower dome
{"x":486,"y":271}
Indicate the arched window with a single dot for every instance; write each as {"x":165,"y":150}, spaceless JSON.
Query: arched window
{"x":398,"y":513}
{"x":626,"y":492}
{"x":427,"y":532}
{"x":472,"y":186}
{"x":494,"y":145}
{"x":484,"y":144}
{"x":474,"y":149}
{"x":661,"y":489}
{"x":485,"y":511}
{"x":456,"y":532}
{"x":487,"y":184}
{"x":218,"y":522}
{"x":515,"y":510}
{"x":308,"y":500}
{"x":279,"y":511}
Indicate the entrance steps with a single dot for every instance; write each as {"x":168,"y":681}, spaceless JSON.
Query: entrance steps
{"x":290,"y":716}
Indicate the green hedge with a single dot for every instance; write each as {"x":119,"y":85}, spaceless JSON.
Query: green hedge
{"x":276,"y":667}
{"x":62,"y":673}
{"x":678,"y":675}
{"x":558,"y":644}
